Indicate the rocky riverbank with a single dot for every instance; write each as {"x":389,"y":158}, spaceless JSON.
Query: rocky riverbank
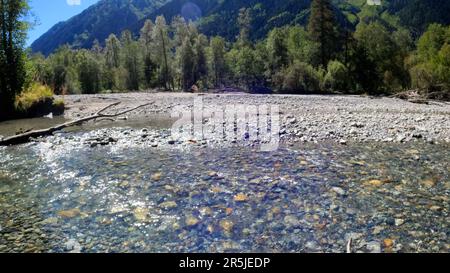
{"x":304,"y":118}
{"x":350,"y":171}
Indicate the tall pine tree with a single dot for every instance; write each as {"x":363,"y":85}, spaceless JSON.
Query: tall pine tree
{"x":322,"y":28}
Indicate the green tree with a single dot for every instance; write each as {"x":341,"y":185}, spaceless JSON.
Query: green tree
{"x":245,"y":23}
{"x":383,"y":50}
{"x":300,"y":77}
{"x":112,"y":60}
{"x":187,"y":57}
{"x":162,"y":50}
{"x":217,"y":60}
{"x":277,"y":50}
{"x":146,"y":40}
{"x":112,"y":52}
{"x":337,"y":77}
{"x":247,"y":65}
{"x":322,"y":28}
{"x":131,"y":60}
{"x":363,"y":70}
{"x":430,"y":69}
{"x":301,"y":47}
{"x":12,"y":57}
{"x":200,"y":62}
{"x":89,"y":73}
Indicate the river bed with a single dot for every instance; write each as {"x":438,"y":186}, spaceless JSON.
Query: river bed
{"x":63,"y":194}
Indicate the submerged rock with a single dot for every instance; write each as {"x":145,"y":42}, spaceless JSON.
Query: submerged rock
{"x":338,"y":190}
{"x":168,"y":205}
{"x":227,"y":226}
{"x":191,"y":221}
{"x":69,"y":213}
{"x":240,"y":197}
{"x":141,"y":214}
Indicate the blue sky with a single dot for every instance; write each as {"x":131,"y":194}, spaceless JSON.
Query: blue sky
{"x":50,"y":12}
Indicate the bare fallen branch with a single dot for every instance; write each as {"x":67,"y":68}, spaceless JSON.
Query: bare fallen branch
{"x":25,"y":137}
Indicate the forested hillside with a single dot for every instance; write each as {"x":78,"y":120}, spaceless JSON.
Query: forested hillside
{"x":95,"y":23}
{"x":219,"y":17}
{"x":344,"y":47}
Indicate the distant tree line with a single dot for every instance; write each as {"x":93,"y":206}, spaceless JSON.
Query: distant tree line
{"x":323,"y":57}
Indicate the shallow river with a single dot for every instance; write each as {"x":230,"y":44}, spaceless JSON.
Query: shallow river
{"x":57,"y":197}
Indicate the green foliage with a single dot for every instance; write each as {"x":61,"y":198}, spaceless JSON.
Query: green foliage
{"x":12,"y":57}
{"x":132,"y":64}
{"x":430,"y":69}
{"x":322,"y":28}
{"x":162,"y":49}
{"x":200,"y":61}
{"x":89,"y":74}
{"x":217,"y":60}
{"x":363,"y":70}
{"x":112,"y":53}
{"x":386,"y":50}
{"x":301,"y":47}
{"x":247,"y":65}
{"x":376,"y":58}
{"x":277,"y":50}
{"x":34,"y":94}
{"x":301,"y":78}
{"x":337,"y":77}
{"x":245,"y":21}
{"x":187,"y":57}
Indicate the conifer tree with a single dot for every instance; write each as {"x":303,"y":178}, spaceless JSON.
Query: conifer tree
{"x":162,"y":45}
{"x":187,"y":57}
{"x":112,"y":51}
{"x":322,"y":28}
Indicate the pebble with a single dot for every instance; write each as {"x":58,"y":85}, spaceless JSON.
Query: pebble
{"x":168,"y":205}
{"x":227,"y":226}
{"x":388,"y":243}
{"x":69,"y":213}
{"x":373,"y":247}
{"x":338,"y":190}
{"x":156,"y":176}
{"x":399,"y":222}
{"x":291,"y":221}
{"x":240,"y":197}
{"x":141,"y":214}
{"x":191,"y":221}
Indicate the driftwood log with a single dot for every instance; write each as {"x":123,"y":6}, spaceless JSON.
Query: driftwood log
{"x":25,"y":137}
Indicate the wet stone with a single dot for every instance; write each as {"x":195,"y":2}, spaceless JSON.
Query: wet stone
{"x":130,"y":197}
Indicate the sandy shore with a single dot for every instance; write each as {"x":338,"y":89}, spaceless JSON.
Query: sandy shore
{"x":304,"y":118}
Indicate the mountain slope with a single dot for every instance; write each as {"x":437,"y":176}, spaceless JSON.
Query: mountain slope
{"x":96,"y":22}
{"x":417,"y":14}
{"x":219,"y":17}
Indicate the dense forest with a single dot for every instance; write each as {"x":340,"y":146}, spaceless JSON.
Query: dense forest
{"x":219,"y":18}
{"x":376,"y":55}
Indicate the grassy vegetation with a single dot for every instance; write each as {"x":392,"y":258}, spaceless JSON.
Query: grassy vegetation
{"x":37,"y":97}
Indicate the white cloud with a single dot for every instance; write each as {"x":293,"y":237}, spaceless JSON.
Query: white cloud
{"x":73,"y":2}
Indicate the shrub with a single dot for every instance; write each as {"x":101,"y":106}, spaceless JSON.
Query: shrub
{"x":301,"y":78}
{"x":32,"y":95}
{"x":337,"y":77}
{"x":37,"y":100}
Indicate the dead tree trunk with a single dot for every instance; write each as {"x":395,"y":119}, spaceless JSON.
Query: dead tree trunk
{"x":25,"y":137}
